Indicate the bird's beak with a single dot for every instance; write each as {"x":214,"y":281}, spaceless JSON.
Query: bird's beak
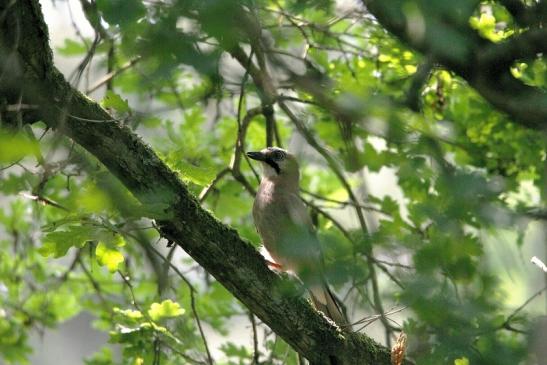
{"x":259,"y":156}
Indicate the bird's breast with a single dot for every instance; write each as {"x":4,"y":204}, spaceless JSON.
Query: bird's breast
{"x":265,"y":214}
{"x":271,"y":220}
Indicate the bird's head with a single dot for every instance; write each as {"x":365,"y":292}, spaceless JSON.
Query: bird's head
{"x":276,"y":162}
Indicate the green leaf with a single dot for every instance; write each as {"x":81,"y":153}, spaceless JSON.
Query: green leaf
{"x":390,"y":205}
{"x":232,"y":203}
{"x":198,"y":175}
{"x":72,"y":48}
{"x":129,"y":313}
{"x":115,"y":101}
{"x":102,"y":357}
{"x":486,"y":25}
{"x":15,"y":146}
{"x":165,"y":309}
{"x":108,"y":256}
{"x":122,"y":12}
{"x":461,"y":361}
{"x":57,"y":243}
{"x":233,"y":350}
{"x":152,"y":122}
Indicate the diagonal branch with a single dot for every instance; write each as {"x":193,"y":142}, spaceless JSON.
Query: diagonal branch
{"x":526,"y":15}
{"x":26,"y":67}
{"x":472,"y":57}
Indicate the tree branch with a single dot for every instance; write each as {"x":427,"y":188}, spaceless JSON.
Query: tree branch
{"x":469,"y":54}
{"x":526,"y":15}
{"x":26,"y":68}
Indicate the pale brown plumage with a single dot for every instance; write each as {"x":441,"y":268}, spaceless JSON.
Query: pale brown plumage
{"x":285,"y":227}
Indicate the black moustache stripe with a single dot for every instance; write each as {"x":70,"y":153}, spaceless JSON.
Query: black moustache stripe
{"x":273,"y":164}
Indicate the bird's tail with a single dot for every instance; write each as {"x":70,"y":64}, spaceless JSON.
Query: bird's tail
{"x":325,"y":301}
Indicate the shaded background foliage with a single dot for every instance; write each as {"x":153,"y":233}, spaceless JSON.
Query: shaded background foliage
{"x":422,"y":192}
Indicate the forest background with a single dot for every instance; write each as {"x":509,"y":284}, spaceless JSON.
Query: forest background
{"x":419,"y":128}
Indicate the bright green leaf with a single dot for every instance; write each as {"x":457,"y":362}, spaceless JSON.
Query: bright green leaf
{"x":129,"y":313}
{"x":109,"y":257}
{"x":165,"y":309}
{"x":115,"y":101}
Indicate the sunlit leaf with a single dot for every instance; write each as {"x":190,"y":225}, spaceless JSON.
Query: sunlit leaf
{"x":115,"y":101}
{"x":108,"y":256}
{"x":129,"y":313}
{"x":461,"y":361}
{"x":165,"y":309}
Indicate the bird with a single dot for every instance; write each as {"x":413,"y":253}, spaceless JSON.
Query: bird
{"x":286,"y":229}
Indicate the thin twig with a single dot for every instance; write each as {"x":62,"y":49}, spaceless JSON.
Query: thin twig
{"x":111,"y":75}
{"x":192,"y":303}
{"x":205,"y":191}
{"x":43,"y":200}
{"x":184,"y":356}
{"x":377,"y":316}
{"x":256,"y":353}
{"x":344,"y":203}
{"x":521,"y":307}
{"x":93,"y":282}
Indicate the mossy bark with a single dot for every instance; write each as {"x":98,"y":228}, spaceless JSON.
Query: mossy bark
{"x":28,"y":75}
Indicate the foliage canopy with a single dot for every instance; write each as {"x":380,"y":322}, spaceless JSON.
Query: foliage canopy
{"x":443,"y":102}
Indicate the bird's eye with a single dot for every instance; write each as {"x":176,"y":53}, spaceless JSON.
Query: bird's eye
{"x":278,"y":155}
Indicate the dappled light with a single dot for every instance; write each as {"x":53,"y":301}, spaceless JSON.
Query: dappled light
{"x":400,"y":220}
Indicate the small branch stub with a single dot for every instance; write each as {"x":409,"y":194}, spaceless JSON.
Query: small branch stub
{"x":539,"y":263}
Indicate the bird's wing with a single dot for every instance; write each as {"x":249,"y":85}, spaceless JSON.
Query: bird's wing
{"x":305,"y":244}
{"x":311,"y":265}
{"x":298,"y":212}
